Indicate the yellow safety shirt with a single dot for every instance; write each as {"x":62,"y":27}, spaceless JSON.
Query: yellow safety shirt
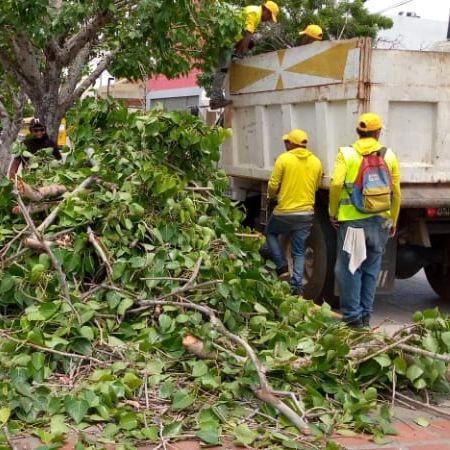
{"x":295,"y":179}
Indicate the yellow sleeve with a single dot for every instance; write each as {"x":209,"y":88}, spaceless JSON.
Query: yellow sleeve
{"x":275,"y":178}
{"x":251,"y":22}
{"x":336,"y":184}
{"x":396,"y":195}
{"x":319,"y":176}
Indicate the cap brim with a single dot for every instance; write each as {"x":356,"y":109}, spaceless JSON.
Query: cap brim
{"x":285,"y":137}
{"x":301,"y":33}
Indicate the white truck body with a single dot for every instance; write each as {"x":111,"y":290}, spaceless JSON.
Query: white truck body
{"x":322,"y":88}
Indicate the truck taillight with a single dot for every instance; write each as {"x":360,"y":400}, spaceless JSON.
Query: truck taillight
{"x":431,"y":212}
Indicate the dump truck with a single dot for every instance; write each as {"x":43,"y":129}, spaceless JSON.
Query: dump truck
{"x":322,"y":88}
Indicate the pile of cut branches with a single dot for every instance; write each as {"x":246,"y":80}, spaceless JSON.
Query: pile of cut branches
{"x":134,"y":309}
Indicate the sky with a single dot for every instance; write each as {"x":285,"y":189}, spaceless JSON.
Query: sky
{"x":428,"y":9}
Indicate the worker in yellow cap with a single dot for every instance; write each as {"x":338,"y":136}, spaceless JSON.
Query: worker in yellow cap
{"x":294,"y":181}
{"x":310,"y":34}
{"x":364,"y":208}
{"x":253,"y":15}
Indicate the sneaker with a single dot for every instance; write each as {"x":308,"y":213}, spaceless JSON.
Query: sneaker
{"x":283,"y":273}
{"x":297,"y":291}
{"x":217,"y":103}
{"x":355,"y":324}
{"x":365,"y":321}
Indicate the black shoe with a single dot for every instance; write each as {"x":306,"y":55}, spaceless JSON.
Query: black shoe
{"x":217,"y":103}
{"x":297,"y":291}
{"x":283,"y":272}
{"x":357,"y":323}
{"x":365,"y":321}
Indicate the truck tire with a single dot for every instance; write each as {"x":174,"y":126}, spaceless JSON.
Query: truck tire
{"x":320,"y":259}
{"x":439,"y":280}
{"x":438,"y":273}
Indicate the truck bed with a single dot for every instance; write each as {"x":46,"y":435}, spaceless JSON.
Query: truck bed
{"x":322,"y":88}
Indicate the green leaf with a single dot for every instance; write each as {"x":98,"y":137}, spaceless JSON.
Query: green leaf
{"x":181,"y":400}
{"x":164,"y":322}
{"x":128,"y":421}
{"x":4,"y":415}
{"x":87,"y":332}
{"x":76,"y":408}
{"x":131,"y":380}
{"x":446,"y":339}
{"x":209,"y":432}
{"x":383,"y":360}
{"x":244,"y":435}
{"x":400,"y":365}
{"x":57,"y":425}
{"x":199,"y":369}
{"x":414,"y":372}
{"x":421,"y":421}
{"x":125,"y":304}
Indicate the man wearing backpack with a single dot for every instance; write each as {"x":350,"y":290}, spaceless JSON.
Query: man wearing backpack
{"x":364,"y":208}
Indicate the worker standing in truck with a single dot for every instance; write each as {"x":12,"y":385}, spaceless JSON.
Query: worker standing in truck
{"x":312,"y":33}
{"x":364,"y":208}
{"x":294,"y":182}
{"x":253,"y":16}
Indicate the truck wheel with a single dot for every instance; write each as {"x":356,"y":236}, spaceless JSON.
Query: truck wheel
{"x":439,"y":279}
{"x":320,"y":258}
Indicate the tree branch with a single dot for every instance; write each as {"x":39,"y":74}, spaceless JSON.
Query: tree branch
{"x":100,"y":252}
{"x":264,"y":392}
{"x":46,"y":246}
{"x":5,"y":335}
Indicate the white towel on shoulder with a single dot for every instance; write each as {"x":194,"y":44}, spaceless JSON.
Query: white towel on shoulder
{"x":355,"y":246}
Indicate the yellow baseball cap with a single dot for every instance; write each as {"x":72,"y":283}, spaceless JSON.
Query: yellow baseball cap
{"x":369,"y":122}
{"x":313,"y":31}
{"x":273,"y":8}
{"x":296,"y":136}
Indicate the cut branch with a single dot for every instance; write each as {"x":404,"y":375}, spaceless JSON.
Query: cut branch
{"x":7,"y":336}
{"x":419,"y":351}
{"x":55,"y":262}
{"x":99,"y":249}
{"x":264,"y":392}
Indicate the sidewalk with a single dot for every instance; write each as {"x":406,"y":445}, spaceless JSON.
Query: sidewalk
{"x":410,"y":437}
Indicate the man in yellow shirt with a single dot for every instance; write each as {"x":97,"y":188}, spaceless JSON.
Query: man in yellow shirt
{"x":253,"y":16}
{"x":294,"y":181}
{"x":360,"y":253}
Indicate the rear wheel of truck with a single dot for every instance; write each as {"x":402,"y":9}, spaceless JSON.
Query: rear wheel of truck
{"x":438,"y":274}
{"x":320,"y":258}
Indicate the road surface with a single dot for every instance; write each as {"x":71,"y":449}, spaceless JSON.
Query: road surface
{"x":410,"y":295}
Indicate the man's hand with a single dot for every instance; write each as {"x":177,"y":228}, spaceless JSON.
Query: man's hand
{"x":334,"y":223}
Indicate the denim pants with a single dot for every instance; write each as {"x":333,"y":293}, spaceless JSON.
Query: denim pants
{"x":299,"y":228}
{"x":220,"y":74}
{"x":357,"y":291}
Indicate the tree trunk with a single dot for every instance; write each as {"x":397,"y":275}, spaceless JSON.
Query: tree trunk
{"x":5,"y":158}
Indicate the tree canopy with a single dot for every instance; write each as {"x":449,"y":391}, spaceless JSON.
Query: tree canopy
{"x":55,"y":49}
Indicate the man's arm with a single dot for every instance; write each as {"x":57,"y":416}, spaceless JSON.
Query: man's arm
{"x":241,"y":47}
{"x":336,"y":184}
{"x":275,"y":179}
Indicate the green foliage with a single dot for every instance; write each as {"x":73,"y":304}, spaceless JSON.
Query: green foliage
{"x":154,"y":229}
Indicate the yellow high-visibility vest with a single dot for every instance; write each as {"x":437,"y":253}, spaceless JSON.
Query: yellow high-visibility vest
{"x":353,"y":159}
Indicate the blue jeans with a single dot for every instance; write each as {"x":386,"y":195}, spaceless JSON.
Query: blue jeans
{"x":298,"y":227}
{"x":357,"y":291}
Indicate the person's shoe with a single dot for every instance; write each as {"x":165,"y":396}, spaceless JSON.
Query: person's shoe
{"x":217,"y":103}
{"x":365,"y":321}
{"x":356,"y":324}
{"x":283,"y":273}
{"x":297,"y":291}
